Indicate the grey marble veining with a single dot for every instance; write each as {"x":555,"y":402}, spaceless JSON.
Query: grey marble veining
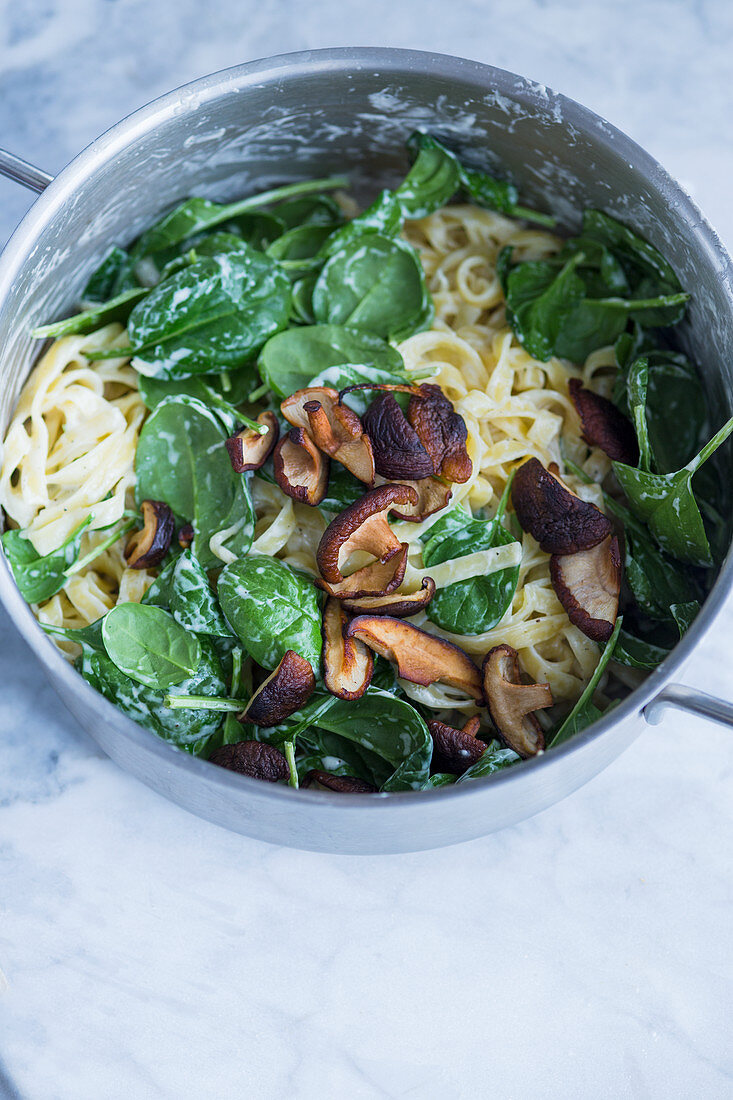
{"x":585,"y":953}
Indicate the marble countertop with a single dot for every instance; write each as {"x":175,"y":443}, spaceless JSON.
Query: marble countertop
{"x":584,"y":953}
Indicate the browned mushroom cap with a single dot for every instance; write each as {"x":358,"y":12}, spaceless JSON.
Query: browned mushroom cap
{"x":301,"y":470}
{"x":378,"y":579}
{"x":398,"y":452}
{"x":341,"y":784}
{"x":148,"y":547}
{"x":185,"y":536}
{"x":511,"y":703}
{"x":421,"y":658}
{"x":247,"y":449}
{"x":293,"y":407}
{"x":588,"y":586}
{"x":400,"y":605}
{"x":253,"y":758}
{"x":362,"y":526}
{"x":456,"y":749}
{"x":283,"y":692}
{"x":432,"y":495}
{"x":442,"y":432}
{"x":559,"y":520}
{"x":334,"y":428}
{"x":603,"y":425}
{"x":347,"y":663}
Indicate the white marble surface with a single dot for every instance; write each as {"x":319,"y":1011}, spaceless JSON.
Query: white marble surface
{"x":583,"y":954}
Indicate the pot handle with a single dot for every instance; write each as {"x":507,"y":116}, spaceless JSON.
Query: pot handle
{"x":690,"y":700}
{"x":22,"y":172}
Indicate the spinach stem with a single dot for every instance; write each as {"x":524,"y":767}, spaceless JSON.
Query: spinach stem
{"x":261,"y":429}
{"x":534,"y":216}
{"x":303,"y":187}
{"x":259,"y":392}
{"x":110,"y":541}
{"x":710,"y":447}
{"x":226,"y":382}
{"x":203,"y":702}
{"x":289,"y":748}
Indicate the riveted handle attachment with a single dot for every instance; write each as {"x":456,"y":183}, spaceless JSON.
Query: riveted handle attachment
{"x":22,"y":172}
{"x":690,"y":700}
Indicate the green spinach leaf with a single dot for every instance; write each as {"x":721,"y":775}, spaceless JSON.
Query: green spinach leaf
{"x":494,"y":759}
{"x":433,"y":179}
{"x":666,"y":503}
{"x":291,"y":360}
{"x":189,"y":729}
{"x":389,"y":728}
{"x":478,"y":604}
{"x":214,"y":314}
{"x":637,"y":383}
{"x":181,"y":458}
{"x":191,"y":599}
{"x":41,"y":576}
{"x":271,"y":609}
{"x":374,"y":283}
{"x":634,"y":652}
{"x":149,"y":646}
{"x":103,"y":283}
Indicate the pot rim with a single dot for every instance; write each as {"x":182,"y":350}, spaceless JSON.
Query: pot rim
{"x":386,"y":60}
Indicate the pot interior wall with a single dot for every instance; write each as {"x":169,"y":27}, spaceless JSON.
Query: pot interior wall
{"x":230,"y":135}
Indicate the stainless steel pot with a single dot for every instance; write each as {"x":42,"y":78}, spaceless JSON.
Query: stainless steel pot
{"x":310,"y":114}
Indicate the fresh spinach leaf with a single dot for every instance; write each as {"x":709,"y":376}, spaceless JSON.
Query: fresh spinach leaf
{"x":478,"y":604}
{"x":493,"y":760}
{"x":181,"y":458}
{"x":291,"y":360}
{"x":666,"y":503}
{"x":271,"y":609}
{"x":639,"y":256}
{"x":634,"y":652}
{"x":188,"y":729}
{"x":436,"y":170}
{"x":149,"y":646}
{"x":309,"y":210}
{"x":41,"y":576}
{"x":191,"y":599}
{"x":208,"y":389}
{"x":257,"y":228}
{"x":388,"y":727}
{"x":343,"y":489}
{"x":637,"y":383}
{"x":374,"y":283}
{"x":301,"y":310}
{"x":441,"y":779}
{"x":383,"y":217}
{"x":432,"y":181}
{"x":676,"y":409}
{"x":539,"y":301}
{"x":215,"y":313}
{"x":102,"y":284}
{"x":196,"y":215}
{"x":116,"y":309}
{"x":299,"y":250}
{"x":585,"y":711}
